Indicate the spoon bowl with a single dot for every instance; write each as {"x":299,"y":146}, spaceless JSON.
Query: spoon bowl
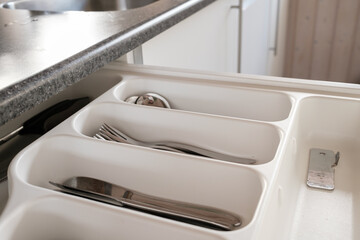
{"x":149,"y":99}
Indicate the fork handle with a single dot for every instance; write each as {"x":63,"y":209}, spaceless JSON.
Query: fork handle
{"x":189,"y":149}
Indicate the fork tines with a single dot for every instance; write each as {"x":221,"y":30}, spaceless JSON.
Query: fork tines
{"x":109,"y":133}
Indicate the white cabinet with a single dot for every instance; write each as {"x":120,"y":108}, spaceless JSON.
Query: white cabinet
{"x":278,"y":33}
{"x":207,"y":40}
{"x":254,"y":36}
{"x":263,"y":35}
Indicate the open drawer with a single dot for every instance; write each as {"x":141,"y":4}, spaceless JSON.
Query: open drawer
{"x":272,"y":122}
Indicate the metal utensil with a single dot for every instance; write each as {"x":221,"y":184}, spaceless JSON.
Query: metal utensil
{"x":117,"y":195}
{"x":321,"y":169}
{"x":149,"y":99}
{"x":107,"y":132}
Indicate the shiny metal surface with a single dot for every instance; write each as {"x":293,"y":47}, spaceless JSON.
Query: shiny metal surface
{"x":321,"y":170}
{"x":114,"y":194}
{"x":109,"y":133}
{"x":149,"y":99}
{"x":9,"y":136}
{"x":76,"y":5}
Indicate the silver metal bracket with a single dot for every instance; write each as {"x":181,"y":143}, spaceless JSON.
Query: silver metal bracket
{"x":321,"y":171}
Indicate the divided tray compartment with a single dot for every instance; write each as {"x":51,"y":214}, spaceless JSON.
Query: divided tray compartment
{"x":234,"y":137}
{"x":218,"y":98}
{"x":61,"y":217}
{"x":247,"y":123}
{"x":329,"y":123}
{"x":233,"y":188}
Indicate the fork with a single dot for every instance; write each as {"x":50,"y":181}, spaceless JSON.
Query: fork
{"x":110,"y":133}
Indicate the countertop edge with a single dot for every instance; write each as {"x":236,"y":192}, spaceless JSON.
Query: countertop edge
{"x":26,"y":94}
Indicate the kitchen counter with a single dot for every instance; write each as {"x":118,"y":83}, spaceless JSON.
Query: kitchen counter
{"x":43,"y":53}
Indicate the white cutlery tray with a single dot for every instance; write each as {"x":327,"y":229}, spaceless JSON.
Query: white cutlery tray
{"x":273,"y":121}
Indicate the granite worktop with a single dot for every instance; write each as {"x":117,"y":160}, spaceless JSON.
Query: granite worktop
{"x":43,"y":53}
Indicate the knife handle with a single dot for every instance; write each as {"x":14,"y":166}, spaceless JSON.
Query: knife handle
{"x":181,"y":210}
{"x":177,"y":210}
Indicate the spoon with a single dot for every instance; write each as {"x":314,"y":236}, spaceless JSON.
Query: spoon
{"x":149,"y":99}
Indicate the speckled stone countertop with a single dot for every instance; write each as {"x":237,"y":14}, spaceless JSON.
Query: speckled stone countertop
{"x":43,"y":53}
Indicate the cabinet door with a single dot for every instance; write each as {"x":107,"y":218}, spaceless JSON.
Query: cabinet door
{"x":278,"y":25}
{"x":263,"y":36}
{"x":255,"y":36}
{"x":207,"y":40}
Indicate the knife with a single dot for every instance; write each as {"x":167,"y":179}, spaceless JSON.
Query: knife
{"x":99,"y":190}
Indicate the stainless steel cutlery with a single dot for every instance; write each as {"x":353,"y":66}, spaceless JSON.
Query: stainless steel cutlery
{"x":110,"y":133}
{"x":99,"y":190}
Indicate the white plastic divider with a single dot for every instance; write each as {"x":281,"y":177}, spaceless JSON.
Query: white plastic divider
{"x":213,"y":98}
{"x":234,"y":137}
{"x":250,"y":123}
{"x":330,"y":123}
{"x":62,"y":217}
{"x":157,"y":173}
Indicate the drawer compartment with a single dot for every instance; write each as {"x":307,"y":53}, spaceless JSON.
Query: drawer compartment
{"x":310,"y":213}
{"x":233,"y":188}
{"x":212,"y":98}
{"x":61,"y":217}
{"x":231,"y":137}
